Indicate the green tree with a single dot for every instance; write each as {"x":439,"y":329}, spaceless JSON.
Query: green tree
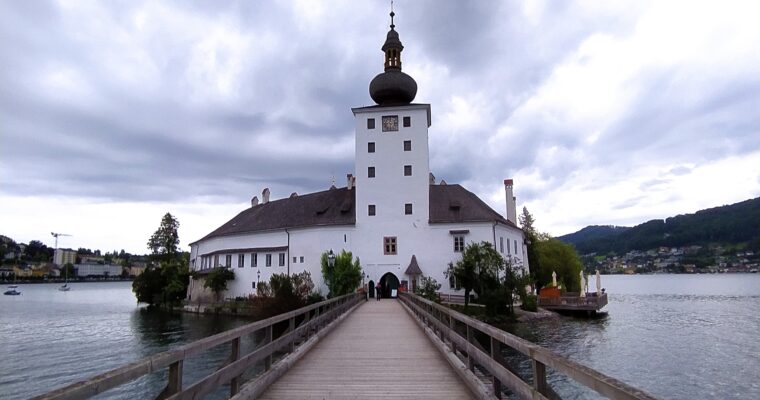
{"x":428,"y":288}
{"x":532,"y":238}
{"x":166,"y":282}
{"x":164,"y":243}
{"x":217,"y":280}
{"x":557,"y":256}
{"x":478,"y":270}
{"x":344,"y":277}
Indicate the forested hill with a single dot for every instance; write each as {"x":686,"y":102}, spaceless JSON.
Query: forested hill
{"x":735,"y":223}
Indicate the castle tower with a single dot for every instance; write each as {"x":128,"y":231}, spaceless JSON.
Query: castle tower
{"x":392,"y":159}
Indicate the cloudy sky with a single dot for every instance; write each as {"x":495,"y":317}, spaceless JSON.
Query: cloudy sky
{"x":113,"y":113}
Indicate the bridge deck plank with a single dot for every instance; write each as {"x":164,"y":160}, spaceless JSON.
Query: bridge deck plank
{"x":378,"y":352}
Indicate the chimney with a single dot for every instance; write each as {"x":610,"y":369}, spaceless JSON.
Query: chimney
{"x":511,"y":202}
{"x":432,"y":179}
{"x":265,"y":196}
{"x":255,"y":201}
{"x":350,"y":181}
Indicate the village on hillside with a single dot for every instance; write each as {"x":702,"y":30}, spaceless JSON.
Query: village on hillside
{"x":679,"y":260}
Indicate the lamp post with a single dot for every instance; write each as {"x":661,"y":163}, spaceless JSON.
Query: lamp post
{"x":330,"y":265}
{"x":258,"y":277}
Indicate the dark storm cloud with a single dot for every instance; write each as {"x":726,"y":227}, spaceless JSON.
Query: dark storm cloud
{"x":161,"y":101}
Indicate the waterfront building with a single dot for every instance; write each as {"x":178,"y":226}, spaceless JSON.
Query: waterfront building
{"x":62,"y":257}
{"x":391,"y":214}
{"x":97,"y":270}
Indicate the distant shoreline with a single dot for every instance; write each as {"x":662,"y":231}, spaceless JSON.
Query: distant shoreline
{"x":20,"y":281}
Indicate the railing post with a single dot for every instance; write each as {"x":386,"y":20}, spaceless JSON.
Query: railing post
{"x":234,"y":356}
{"x":291,"y":329}
{"x":470,"y":362}
{"x":496,"y":355}
{"x":453,"y":332}
{"x":539,"y":377}
{"x":267,"y":340}
{"x":174,"y":385}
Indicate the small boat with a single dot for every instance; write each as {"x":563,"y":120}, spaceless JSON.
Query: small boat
{"x":64,"y":288}
{"x":12,"y":291}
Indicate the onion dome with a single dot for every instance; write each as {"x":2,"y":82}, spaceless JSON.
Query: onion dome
{"x":392,"y":87}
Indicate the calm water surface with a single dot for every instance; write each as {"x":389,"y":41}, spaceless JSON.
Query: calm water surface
{"x":675,"y":336}
{"x":50,"y":338}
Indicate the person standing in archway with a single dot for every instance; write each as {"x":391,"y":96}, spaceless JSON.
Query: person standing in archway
{"x":377,"y":291}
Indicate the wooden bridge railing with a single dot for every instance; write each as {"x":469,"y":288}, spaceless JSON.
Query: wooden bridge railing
{"x":302,"y":324}
{"x":459,"y":332}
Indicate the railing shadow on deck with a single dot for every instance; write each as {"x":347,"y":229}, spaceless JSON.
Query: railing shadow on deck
{"x":303,"y":324}
{"x":457,"y":333}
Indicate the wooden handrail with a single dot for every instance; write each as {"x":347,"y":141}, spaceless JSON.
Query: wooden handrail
{"x":442,"y":320}
{"x":315,"y":317}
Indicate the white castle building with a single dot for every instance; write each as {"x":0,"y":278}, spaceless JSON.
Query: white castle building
{"x":391,"y":215}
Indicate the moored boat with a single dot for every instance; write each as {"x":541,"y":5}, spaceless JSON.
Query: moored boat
{"x":12,"y":291}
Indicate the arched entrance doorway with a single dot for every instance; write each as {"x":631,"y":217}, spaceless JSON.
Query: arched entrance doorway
{"x":371,"y":289}
{"x":388,"y":283}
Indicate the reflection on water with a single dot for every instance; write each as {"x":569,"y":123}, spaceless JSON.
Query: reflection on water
{"x":675,"y":336}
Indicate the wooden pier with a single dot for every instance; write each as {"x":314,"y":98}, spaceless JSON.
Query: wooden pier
{"x":349,"y":348}
{"x":573,"y":302}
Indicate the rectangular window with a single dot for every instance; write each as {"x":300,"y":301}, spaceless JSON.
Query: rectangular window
{"x":370,"y":172}
{"x":508,"y":247}
{"x":453,"y":283}
{"x":407,"y":170}
{"x":407,"y":145}
{"x":269,"y":260}
{"x":253,"y":285}
{"x":458,"y":244}
{"x":371,"y":147}
{"x":254,"y":260}
{"x":216,"y":260}
{"x":407,"y":122}
{"x":371,"y":209}
{"x":295,"y":259}
{"x":228,"y":260}
{"x":282,"y":259}
{"x":515,"y":247}
{"x":389,"y":245}
{"x":408,"y":209}
{"x":501,"y":244}
{"x":301,"y":259}
{"x":370,"y":123}
{"x":241,"y":260}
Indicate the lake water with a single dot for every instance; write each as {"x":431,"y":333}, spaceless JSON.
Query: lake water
{"x":675,"y":336}
{"x":50,"y":338}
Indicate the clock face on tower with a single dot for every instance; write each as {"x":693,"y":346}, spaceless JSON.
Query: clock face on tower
{"x":390,"y":123}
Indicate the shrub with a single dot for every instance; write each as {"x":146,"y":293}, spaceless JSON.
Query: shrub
{"x":428,"y":288}
{"x":530,"y":303}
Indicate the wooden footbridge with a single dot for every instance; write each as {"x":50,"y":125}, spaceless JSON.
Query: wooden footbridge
{"x":350,"y":348}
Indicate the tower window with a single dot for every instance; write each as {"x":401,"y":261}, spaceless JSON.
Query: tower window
{"x":371,"y":147}
{"x":408,"y":209}
{"x":371,"y":209}
{"x":407,"y":122}
{"x":370,"y":172}
{"x":407,"y":170}
{"x":389,"y":245}
{"x":407,"y":145}
{"x":370,"y":123}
